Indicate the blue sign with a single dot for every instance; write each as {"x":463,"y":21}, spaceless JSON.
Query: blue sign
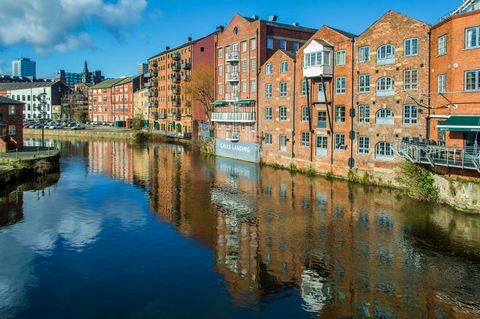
{"x":245,"y":151}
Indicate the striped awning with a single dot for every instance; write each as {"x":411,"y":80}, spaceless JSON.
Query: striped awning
{"x":457,"y":123}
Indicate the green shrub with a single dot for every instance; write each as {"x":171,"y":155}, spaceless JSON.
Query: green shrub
{"x":417,"y":181}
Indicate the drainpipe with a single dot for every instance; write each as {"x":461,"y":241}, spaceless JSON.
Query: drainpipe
{"x":294,"y":102}
{"x":332,"y":89}
{"x":309,"y":102}
{"x":257,"y":72}
{"x":428,"y":90}
{"x":351,"y":161}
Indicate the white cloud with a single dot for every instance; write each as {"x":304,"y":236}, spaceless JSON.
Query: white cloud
{"x":59,"y":24}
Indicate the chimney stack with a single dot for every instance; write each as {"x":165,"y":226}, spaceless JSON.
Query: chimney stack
{"x":189,"y":39}
{"x":255,"y":17}
{"x":220,"y":28}
{"x":272,"y":18}
{"x":167,"y":48}
{"x":295,"y":24}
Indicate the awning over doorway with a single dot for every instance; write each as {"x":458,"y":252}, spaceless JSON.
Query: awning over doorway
{"x":244,"y":102}
{"x":458,"y":123}
{"x":219,"y":103}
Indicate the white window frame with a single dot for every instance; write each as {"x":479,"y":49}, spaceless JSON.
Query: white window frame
{"x":253,"y":44}
{"x":282,"y":113}
{"x":305,"y":139}
{"x":363,"y":145}
{"x":386,"y":54}
{"x":340,"y":57}
{"x":410,"y":114}
{"x":268,"y":113}
{"x":339,"y":140}
{"x":364,"y":83}
{"x":269,"y":68}
{"x":340,"y":85}
{"x":408,"y":80}
{"x":12,"y":110}
{"x":385,"y":117}
{"x":442,"y":45}
{"x":284,"y":67}
{"x":385,"y":86}
{"x":410,"y":47}
{"x":12,"y":130}
{"x":268,"y":90}
{"x":364,"y":114}
{"x":476,"y":82}
{"x":364,"y":54}
{"x":442,"y":83}
{"x":472,"y":42}
{"x":305,"y":113}
{"x":283,"y":89}
{"x":268,"y":138}
{"x":340,"y":117}
{"x":384,"y":151}
{"x":244,"y":46}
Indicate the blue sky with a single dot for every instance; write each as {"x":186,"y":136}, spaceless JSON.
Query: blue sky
{"x":115,"y":35}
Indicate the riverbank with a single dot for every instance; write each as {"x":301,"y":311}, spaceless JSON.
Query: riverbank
{"x":31,"y":161}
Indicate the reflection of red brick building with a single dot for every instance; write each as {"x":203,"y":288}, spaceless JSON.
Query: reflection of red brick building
{"x":11,"y":124}
{"x":455,"y":78}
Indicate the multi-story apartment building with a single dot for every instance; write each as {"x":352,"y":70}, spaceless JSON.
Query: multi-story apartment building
{"x":140,"y":105}
{"x":111,"y":101}
{"x":24,"y":67}
{"x":169,"y":74}
{"x":11,"y":129}
{"x":40,"y":99}
{"x":390,"y":80}
{"x":455,"y":77}
{"x":243,"y":47}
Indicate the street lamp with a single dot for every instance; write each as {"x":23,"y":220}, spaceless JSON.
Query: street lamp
{"x":41,"y":107}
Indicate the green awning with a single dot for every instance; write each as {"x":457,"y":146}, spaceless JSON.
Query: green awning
{"x":172,"y":123}
{"x":458,"y":123}
{"x":219,"y":103}
{"x":245,"y":102}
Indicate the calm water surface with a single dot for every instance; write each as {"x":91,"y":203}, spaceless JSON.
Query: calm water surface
{"x":160,"y":231}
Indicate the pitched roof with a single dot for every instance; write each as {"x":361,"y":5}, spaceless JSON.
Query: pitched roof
{"x":125,"y":80}
{"x":6,"y":100}
{"x":347,"y":34}
{"x":25,"y":85}
{"x":181,"y":46}
{"x":387,"y":13}
{"x":279,"y":25}
{"x":106,"y":84}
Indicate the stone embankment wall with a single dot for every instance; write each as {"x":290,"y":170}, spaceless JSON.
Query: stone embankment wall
{"x":462,"y":195}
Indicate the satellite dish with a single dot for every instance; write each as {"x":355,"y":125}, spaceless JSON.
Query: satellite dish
{"x":455,"y":106}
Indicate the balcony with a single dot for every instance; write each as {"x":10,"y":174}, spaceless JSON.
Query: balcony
{"x":154,"y":116}
{"x":177,"y":102}
{"x":154,"y":64}
{"x":151,"y":104}
{"x":233,"y":77}
{"x":233,"y":57}
{"x":186,"y":65}
{"x":176,"y":89}
{"x":176,"y":67}
{"x":176,"y":116}
{"x":185,"y":77}
{"x":162,"y":116}
{"x":246,"y":117}
{"x":176,"y":78}
{"x":176,"y":56}
{"x":152,"y":93}
{"x":151,"y":84}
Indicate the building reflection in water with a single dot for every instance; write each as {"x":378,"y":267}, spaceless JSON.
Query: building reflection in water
{"x":344,"y":250}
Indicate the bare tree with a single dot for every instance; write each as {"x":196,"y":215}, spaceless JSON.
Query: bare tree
{"x":202,"y":88}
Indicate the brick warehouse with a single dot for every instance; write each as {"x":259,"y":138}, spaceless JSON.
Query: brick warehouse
{"x":243,"y":47}
{"x":11,"y":124}
{"x":173,"y":111}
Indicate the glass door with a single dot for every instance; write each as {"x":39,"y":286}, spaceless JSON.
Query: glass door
{"x":321,"y":145}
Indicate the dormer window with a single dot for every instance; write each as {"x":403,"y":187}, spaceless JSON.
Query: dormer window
{"x":386,"y":54}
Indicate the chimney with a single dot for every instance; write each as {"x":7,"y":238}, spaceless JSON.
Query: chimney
{"x":167,"y":48}
{"x":255,"y":17}
{"x":220,"y":28}
{"x":272,"y":18}
{"x":295,"y":24}
{"x":189,"y":39}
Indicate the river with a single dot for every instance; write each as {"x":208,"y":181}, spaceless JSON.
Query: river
{"x":161,"y":231}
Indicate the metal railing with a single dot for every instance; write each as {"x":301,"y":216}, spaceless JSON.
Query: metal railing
{"x":433,"y":155}
{"x":234,"y":117}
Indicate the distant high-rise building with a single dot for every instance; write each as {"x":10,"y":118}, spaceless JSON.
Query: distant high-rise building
{"x":87,"y":77}
{"x":24,"y":67}
{"x":142,"y":68}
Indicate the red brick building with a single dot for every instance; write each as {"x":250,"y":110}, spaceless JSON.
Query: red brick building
{"x":243,"y":47}
{"x":100,"y":101}
{"x":11,"y":124}
{"x":173,"y":111}
{"x":455,"y":77}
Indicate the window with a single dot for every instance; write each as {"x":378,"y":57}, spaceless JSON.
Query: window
{"x":295,"y":46}
{"x":385,"y":54}
{"x":384,"y":151}
{"x":283,"y":89}
{"x":253,"y":85}
{"x":385,"y":87}
{"x":339,"y":141}
{"x":363,"y":144}
{"x":244,"y":86}
{"x":322,"y":119}
{"x":364,"y":83}
{"x":410,"y":114}
{"x":341,"y":85}
{"x":304,"y":87}
{"x":472,"y":79}
{"x":442,"y":45}
{"x":340,"y":57}
{"x":253,"y":44}
{"x":410,"y":47}
{"x":472,"y":37}
{"x":283,"y":44}
{"x":269,"y":69}
{"x":282,"y":110}
{"x":340,"y":114}
{"x":305,"y":139}
{"x":12,"y":130}
{"x":284,"y":66}
{"x":364,"y":54}
{"x":268,"y":138}
{"x":442,"y":83}
{"x":322,"y":145}
{"x":268,"y":90}
{"x":385,"y":116}
{"x":364,"y":114}
{"x":270,"y":43}
{"x":244,"y":46}
{"x":410,"y":79}
{"x":220,"y":70}
{"x":11,"y":110}
{"x":304,"y":113}
{"x":220,"y":53}
{"x":268,"y":113}
{"x":253,"y":64}
{"x":316,"y":59}
{"x":244,"y":66}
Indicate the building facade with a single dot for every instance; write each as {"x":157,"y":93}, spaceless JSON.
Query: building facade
{"x":140,"y":105}
{"x":243,"y":47}
{"x":11,"y":124}
{"x":40,"y":99}
{"x":170,"y":96}
{"x":24,"y":67}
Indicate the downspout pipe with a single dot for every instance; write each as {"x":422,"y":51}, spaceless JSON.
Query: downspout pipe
{"x":351,"y":161}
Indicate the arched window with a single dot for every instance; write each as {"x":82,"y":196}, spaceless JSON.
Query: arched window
{"x":364,"y":114}
{"x":384,"y":151}
{"x":385,"y":116}
{"x":386,"y":54}
{"x":385,"y":86}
